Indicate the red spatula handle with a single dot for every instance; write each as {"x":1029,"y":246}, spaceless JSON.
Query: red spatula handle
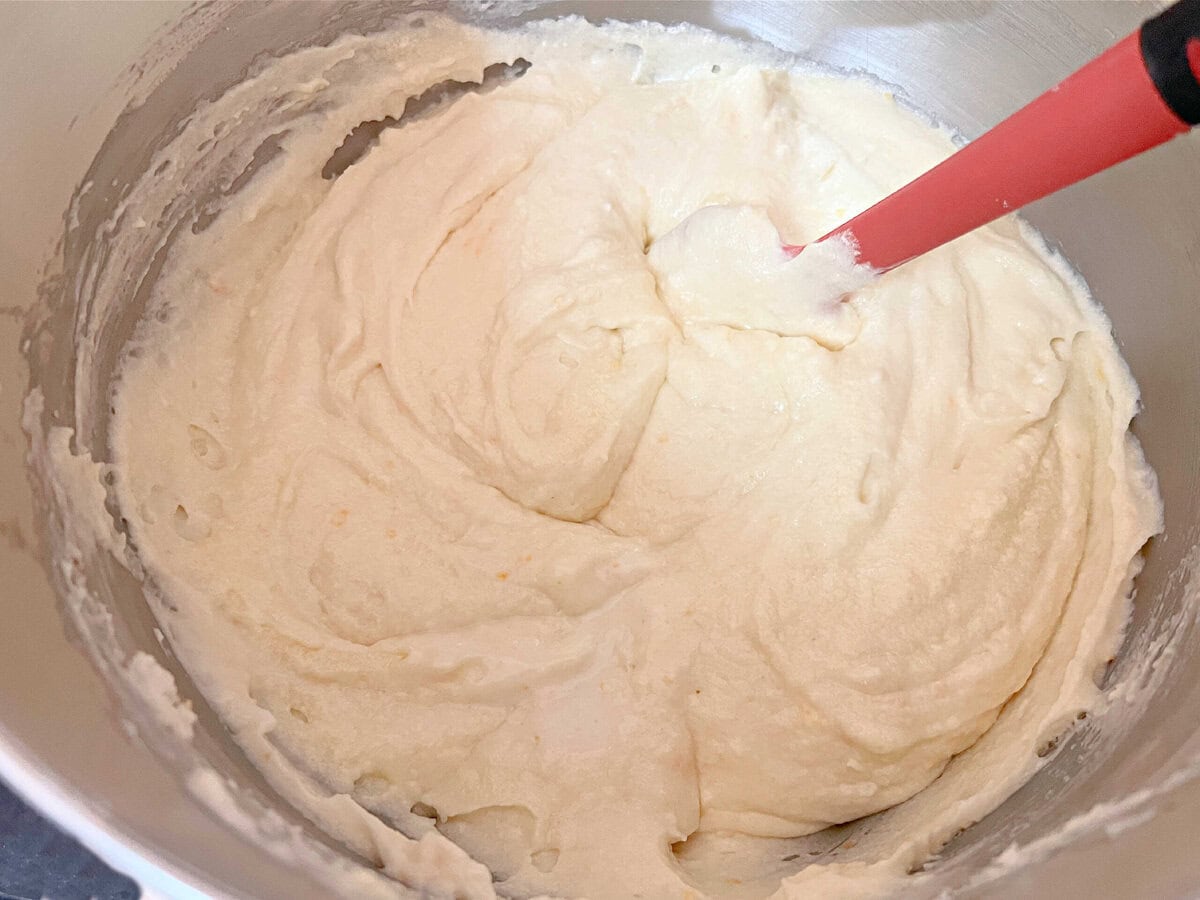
{"x":1136,"y":95}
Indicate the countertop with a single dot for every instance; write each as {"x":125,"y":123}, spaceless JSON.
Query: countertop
{"x":38,"y":860}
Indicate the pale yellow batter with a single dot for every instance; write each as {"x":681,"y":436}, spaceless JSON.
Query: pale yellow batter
{"x":514,"y":484}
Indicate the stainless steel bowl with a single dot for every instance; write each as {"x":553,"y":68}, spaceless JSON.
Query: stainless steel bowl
{"x":1113,"y":814}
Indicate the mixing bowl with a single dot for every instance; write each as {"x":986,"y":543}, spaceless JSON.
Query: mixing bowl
{"x":90,"y":91}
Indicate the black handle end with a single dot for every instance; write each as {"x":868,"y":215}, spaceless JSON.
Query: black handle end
{"x":1170,"y":44}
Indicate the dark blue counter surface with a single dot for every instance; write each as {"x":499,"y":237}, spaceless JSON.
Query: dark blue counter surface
{"x":37,"y":860}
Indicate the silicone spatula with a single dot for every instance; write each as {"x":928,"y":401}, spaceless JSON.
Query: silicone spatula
{"x":1142,"y":92}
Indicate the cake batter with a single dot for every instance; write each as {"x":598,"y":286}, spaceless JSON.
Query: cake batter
{"x":512,"y":487}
